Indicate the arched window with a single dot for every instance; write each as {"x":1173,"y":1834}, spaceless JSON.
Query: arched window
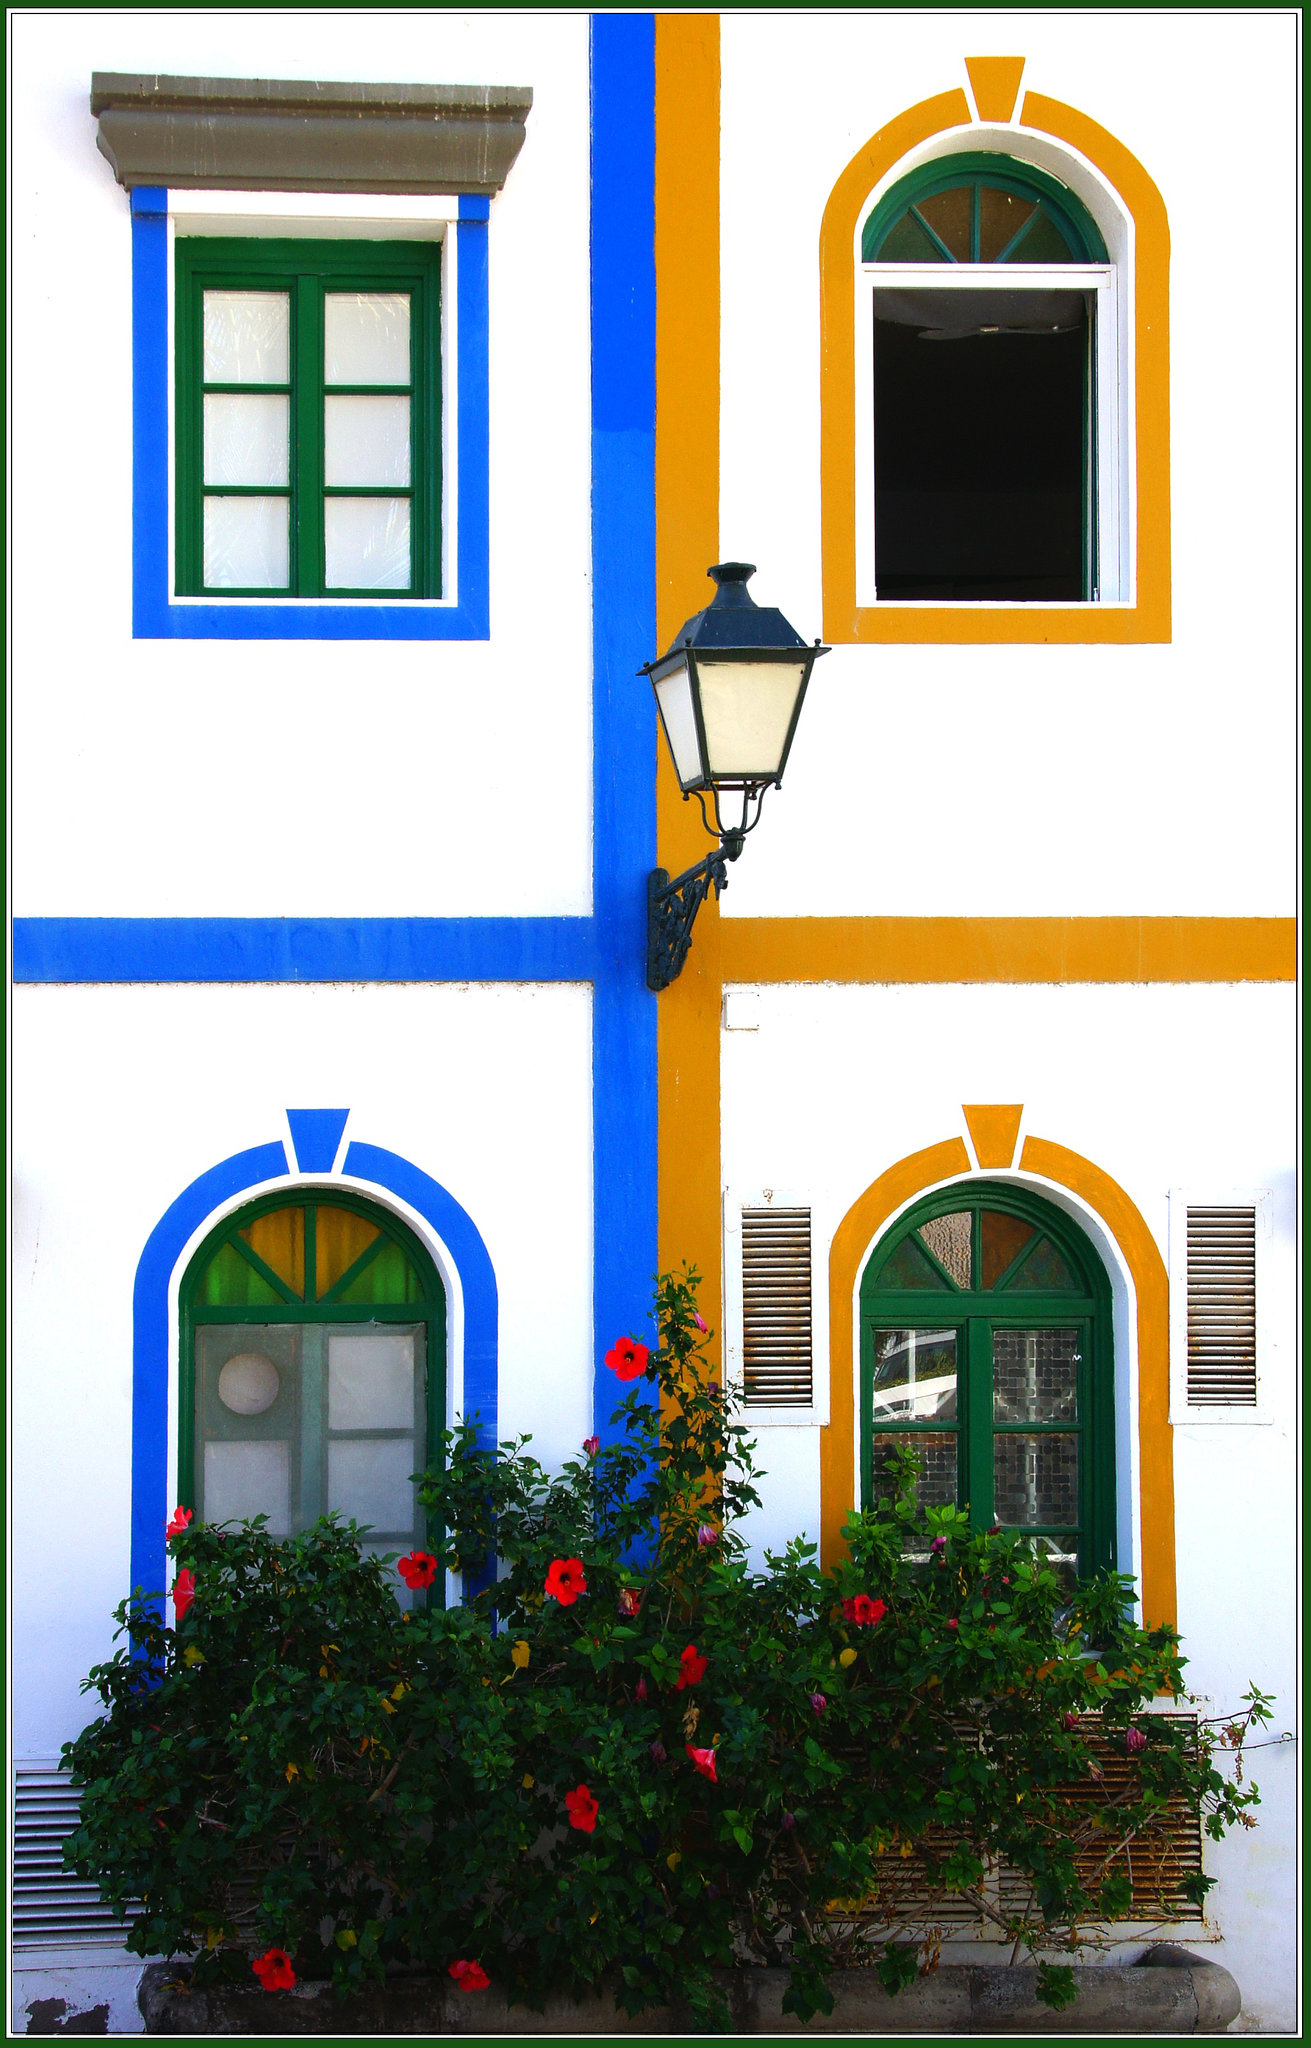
{"x":981,"y":207}
{"x":986,"y":1347}
{"x":313,"y":1367}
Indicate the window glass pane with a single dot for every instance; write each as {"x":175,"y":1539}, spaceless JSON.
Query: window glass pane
{"x":247,"y":337}
{"x":388,"y":1279}
{"x":369,"y":1479}
{"x":245,"y":439}
{"x":1044,"y":243}
{"x":1036,"y":1480}
{"x":246,"y":544}
{"x":1001,"y":216}
{"x":371,"y":1380}
{"x":914,"y":1375}
{"x":1004,"y":1237}
{"x":229,"y":1281}
{"x":1058,"y":1554}
{"x":1045,"y":1271}
{"x":936,"y":1449}
{"x":366,"y":440}
{"x":907,"y":242}
{"x":279,"y":1239}
{"x":1035,"y":1375}
{"x":948,"y":214}
{"x":339,"y":1238}
{"x":366,"y":337}
{"x":244,"y":1479}
{"x":948,"y":1238}
{"x":908,"y":1267}
{"x":367,"y":543}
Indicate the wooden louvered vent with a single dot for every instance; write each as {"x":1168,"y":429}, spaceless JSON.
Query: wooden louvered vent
{"x":52,"y":1908}
{"x":777,"y":1366}
{"x":1221,"y":1308}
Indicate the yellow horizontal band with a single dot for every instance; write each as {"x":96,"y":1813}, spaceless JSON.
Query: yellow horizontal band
{"x":1001,"y":949}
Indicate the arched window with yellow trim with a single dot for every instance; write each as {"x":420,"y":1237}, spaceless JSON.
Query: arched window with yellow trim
{"x":312,"y":1368}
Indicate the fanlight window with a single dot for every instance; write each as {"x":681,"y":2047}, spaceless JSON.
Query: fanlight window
{"x":985,"y":1348}
{"x":313,"y":1354}
{"x":981,"y":209}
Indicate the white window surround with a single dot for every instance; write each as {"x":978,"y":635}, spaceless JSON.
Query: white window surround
{"x":781,"y":1197}
{"x":1112,"y":284}
{"x":1206,"y":1195}
{"x":343,"y":217}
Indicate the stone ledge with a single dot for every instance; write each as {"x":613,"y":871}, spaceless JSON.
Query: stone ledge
{"x":1170,"y":1991}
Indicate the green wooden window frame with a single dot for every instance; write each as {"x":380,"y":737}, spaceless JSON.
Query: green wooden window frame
{"x":1054,"y":204}
{"x":280,"y":1305}
{"x":306,"y":271}
{"x":975,"y":1314}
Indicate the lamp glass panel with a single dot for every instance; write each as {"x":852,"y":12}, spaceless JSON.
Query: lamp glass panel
{"x":746,"y":708}
{"x":674,"y":696}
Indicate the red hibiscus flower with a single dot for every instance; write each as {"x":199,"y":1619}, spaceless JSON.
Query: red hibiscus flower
{"x":692,"y":1668}
{"x":583,"y":1809}
{"x":419,"y":1569}
{"x":864,"y":1611}
{"x":703,"y":1760}
{"x":591,"y":1444}
{"x":470,"y":1976}
{"x":629,"y":1600}
{"x":178,"y":1522}
{"x":564,"y":1580}
{"x":274,"y":1970}
{"x":184,"y":1591}
{"x":628,"y":1359}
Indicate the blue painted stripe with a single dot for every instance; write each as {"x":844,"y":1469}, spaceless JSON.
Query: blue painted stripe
{"x":155,"y":617}
{"x":315,"y":1136}
{"x":164,"y":1247}
{"x":623,"y":553}
{"x":238,"y":949}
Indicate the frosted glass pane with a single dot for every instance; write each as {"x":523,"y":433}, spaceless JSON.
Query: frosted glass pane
{"x":367,"y":543}
{"x":371,"y":1380}
{"x":366,"y":337}
{"x":674,"y":697}
{"x":370,"y":1480}
{"x":366,"y":441}
{"x":245,"y":439}
{"x":244,"y":1479}
{"x":746,"y":708}
{"x":246,"y":546}
{"x":247,"y":337}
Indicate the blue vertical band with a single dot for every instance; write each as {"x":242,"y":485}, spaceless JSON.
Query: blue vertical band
{"x":149,"y":403}
{"x":473,"y":417}
{"x":623,"y":636}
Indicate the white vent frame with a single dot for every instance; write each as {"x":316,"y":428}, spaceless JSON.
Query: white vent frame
{"x":50,"y":1909}
{"x":735,"y":1200}
{"x":1208,"y":1196}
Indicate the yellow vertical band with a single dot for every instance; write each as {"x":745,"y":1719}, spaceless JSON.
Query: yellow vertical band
{"x":686,"y":543}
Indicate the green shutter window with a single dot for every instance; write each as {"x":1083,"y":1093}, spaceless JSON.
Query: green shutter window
{"x":308,"y":418}
{"x":986,"y":1347}
{"x":312,"y":1376}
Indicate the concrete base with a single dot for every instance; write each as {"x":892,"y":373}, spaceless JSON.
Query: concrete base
{"x":1169,"y":1992}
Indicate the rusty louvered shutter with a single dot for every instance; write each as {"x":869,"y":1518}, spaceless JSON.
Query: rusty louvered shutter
{"x":777,"y":1368}
{"x":1221,"y":1308}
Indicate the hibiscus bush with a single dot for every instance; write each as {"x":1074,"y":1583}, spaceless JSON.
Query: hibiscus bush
{"x":633,"y":1759}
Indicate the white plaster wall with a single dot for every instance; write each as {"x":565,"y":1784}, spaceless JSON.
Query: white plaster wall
{"x":129,"y":1094}
{"x":1158,"y":1085}
{"x":243,"y":778}
{"x":983,"y":781}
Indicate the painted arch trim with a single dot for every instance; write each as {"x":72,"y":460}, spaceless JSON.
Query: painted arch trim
{"x":258,"y":1166}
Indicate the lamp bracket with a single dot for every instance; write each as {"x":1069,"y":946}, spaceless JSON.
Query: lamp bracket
{"x":671,"y":908}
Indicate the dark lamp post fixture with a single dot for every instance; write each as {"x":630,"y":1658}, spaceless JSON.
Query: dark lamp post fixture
{"x":729,"y":693}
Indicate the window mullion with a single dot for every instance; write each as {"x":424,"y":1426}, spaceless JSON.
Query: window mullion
{"x":313,"y":1418}
{"x":978,"y":1479}
{"x":307,"y":438}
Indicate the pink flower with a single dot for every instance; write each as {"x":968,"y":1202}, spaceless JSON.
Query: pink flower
{"x":658,"y":1752}
{"x":419,"y":1569}
{"x":938,"y":1543}
{"x":692,"y":1668}
{"x":866,"y":1613}
{"x":628,"y":1359}
{"x":470,"y":1976}
{"x":180,"y":1518}
{"x":591,"y":1444}
{"x":582,"y":1808}
{"x":564,"y":1580}
{"x":184,"y":1592}
{"x":703,"y":1327}
{"x":952,"y":1622}
{"x":706,"y":1535}
{"x":789,"y":1820}
{"x":818,"y":1702}
{"x":1069,"y":1721}
{"x":703,"y":1760}
{"x":1134,"y":1740}
{"x":641,"y":1688}
{"x":274,"y":1970}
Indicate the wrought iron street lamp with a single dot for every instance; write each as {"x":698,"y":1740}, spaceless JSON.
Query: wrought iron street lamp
{"x":729,"y":692}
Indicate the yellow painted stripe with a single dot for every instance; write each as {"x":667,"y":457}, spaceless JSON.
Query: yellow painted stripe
{"x":1009,"y":949}
{"x":687,"y":542}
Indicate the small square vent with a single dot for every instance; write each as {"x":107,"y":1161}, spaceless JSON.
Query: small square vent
{"x":777,"y":1364}
{"x":1221,"y":1308}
